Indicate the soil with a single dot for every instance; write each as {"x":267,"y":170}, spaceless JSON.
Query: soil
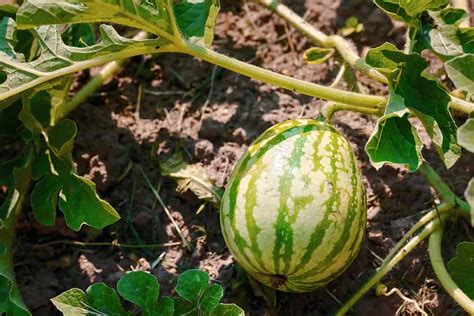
{"x":160,"y":105}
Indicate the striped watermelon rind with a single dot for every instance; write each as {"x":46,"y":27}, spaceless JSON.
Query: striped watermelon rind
{"x":294,"y":211}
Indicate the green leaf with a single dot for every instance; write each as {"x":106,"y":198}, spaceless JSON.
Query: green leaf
{"x":8,"y":38}
{"x":408,"y":11}
{"x":29,"y":120}
{"x":80,"y":204}
{"x":10,"y":125}
{"x":461,"y":71}
{"x":196,"y":20}
{"x":466,"y":36}
{"x":79,"y":35}
{"x":461,"y":268}
{"x":444,"y":40}
{"x":44,"y":199}
{"x":138,"y":14}
{"x":452,"y":16}
{"x":394,"y":140}
{"x":61,"y":140}
{"x":165,"y":307}
{"x":140,"y":288}
{"x":191,"y":177}
{"x":14,"y":174}
{"x":42,"y":166}
{"x":228,"y":310}
{"x":192,"y":284}
{"x":317,"y":55}
{"x":409,"y":90}
{"x":104,"y":299}
{"x":211,"y":298}
{"x":442,"y":34}
{"x":182,"y":307}
{"x":466,"y":135}
{"x":55,"y":55}
{"x":78,"y":199}
{"x":10,"y":299}
{"x":395,"y":11}
{"x":99,"y":299}
{"x":72,"y":302}
{"x":386,"y":58}
{"x":415,"y":7}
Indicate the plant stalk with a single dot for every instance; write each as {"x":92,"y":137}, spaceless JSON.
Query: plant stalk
{"x":331,"y":108}
{"x":439,"y":268}
{"x":296,"y":85}
{"x":440,"y":209}
{"x":387,"y":266}
{"x":461,"y":105}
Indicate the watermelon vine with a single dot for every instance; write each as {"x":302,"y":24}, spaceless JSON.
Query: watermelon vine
{"x":305,"y":159}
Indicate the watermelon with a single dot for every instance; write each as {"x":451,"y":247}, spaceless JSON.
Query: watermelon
{"x":294,"y":211}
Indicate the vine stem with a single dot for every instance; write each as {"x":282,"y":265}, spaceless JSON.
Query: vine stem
{"x":389,"y":264}
{"x":330,"y":108}
{"x":439,"y":268}
{"x":461,"y":105}
{"x":105,"y":244}
{"x":444,"y":191}
{"x":296,"y":85}
{"x":438,"y":210}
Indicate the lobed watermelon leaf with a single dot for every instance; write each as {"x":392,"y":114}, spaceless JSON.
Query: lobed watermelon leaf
{"x":55,"y":56}
{"x":410,"y":93}
{"x":194,"y":21}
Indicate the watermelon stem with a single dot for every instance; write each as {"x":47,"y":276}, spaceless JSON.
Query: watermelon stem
{"x":282,"y":81}
{"x":330,"y":108}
